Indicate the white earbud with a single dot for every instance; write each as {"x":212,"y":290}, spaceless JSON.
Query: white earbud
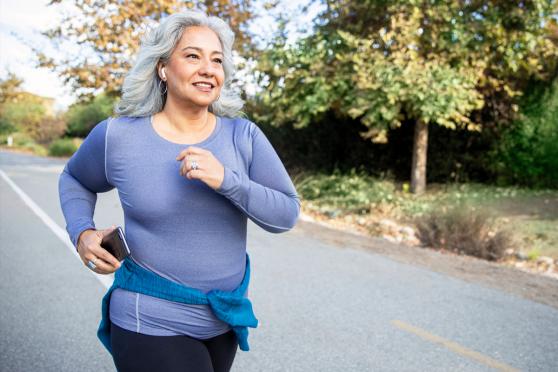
{"x":163,"y":73}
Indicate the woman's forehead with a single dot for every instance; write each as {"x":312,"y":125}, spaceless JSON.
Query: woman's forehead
{"x":200,"y":37}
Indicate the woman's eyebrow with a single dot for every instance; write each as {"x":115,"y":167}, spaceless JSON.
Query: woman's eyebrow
{"x":200,"y":49}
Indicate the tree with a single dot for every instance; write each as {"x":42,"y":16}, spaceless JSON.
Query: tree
{"x":83,"y":116}
{"x":108,"y":34}
{"x":19,"y":110}
{"x":450,"y":63}
{"x":24,"y":114}
{"x":10,"y":88}
{"x":395,"y":80}
{"x":526,"y":153}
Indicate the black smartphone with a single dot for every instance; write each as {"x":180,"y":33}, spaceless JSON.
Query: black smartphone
{"x":116,"y":244}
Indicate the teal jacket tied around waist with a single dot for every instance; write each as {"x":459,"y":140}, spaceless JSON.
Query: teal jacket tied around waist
{"x":231,"y":307}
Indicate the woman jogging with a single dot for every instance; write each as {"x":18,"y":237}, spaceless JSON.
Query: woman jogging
{"x":189,"y":171}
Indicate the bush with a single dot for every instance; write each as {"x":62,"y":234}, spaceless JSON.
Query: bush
{"x":464,"y":231}
{"x":5,"y":126}
{"x":22,"y":139}
{"x":527,"y":153}
{"x":355,"y":191}
{"x":36,"y":148}
{"x":22,"y":115}
{"x":82,"y":117}
{"x":50,"y":128}
{"x":63,"y":147}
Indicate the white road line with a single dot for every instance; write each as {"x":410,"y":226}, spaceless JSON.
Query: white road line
{"x":61,"y":233}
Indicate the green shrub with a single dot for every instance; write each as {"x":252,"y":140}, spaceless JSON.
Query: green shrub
{"x":527,"y":153}
{"x":22,"y":139}
{"x":533,"y":254}
{"x":25,"y":142}
{"x":463,"y":230}
{"x":82,"y":117}
{"x":354,"y":191}
{"x":36,"y":148}
{"x":63,"y":147}
{"x":22,"y":115}
{"x":5,"y":126}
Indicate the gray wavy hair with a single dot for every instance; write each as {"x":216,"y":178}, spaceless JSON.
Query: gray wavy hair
{"x":140,"y":92}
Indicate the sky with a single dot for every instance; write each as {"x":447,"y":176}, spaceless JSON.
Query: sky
{"x":22,"y":21}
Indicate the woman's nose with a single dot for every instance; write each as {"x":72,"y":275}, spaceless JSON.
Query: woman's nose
{"x":206,"y":68}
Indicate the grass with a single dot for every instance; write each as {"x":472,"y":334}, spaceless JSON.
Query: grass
{"x":532,"y":215}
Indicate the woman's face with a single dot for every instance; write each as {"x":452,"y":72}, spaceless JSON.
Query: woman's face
{"x":197,"y":58}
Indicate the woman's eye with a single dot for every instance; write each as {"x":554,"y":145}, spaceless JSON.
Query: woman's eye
{"x":218,"y":60}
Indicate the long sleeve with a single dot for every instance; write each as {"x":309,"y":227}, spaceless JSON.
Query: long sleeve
{"x":82,"y":178}
{"x":266,"y":195}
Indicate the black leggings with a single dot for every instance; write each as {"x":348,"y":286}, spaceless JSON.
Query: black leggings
{"x":137,"y":352}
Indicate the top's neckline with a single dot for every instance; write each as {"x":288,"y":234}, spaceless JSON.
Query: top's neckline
{"x":210,"y":138}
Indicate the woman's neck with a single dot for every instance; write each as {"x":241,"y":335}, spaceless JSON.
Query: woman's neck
{"x":186,"y":118}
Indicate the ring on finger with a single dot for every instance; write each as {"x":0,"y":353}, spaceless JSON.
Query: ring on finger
{"x":91,"y":264}
{"x":195,"y":165}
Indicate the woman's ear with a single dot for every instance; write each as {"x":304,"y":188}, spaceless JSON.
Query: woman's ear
{"x":161,"y":70}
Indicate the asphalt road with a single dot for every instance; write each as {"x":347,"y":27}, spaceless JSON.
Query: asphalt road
{"x":320,"y":308}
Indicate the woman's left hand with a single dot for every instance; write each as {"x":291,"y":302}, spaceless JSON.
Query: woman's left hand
{"x":209,"y":170}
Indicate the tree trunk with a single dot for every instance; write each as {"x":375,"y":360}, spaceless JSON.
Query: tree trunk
{"x":420,"y":147}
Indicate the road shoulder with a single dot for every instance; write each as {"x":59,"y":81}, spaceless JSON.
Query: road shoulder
{"x":534,"y":287}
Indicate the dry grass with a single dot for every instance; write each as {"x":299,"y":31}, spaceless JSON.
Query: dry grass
{"x":465,"y":231}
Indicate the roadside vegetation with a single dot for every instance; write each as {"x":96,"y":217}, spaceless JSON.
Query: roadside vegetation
{"x":489,"y":222}
{"x":29,"y":124}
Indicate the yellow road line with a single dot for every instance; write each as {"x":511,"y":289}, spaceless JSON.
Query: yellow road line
{"x":455,"y":347}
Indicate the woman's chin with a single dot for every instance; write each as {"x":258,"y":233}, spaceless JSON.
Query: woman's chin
{"x":199,"y":102}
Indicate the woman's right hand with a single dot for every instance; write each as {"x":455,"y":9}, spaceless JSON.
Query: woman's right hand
{"x":89,"y":249}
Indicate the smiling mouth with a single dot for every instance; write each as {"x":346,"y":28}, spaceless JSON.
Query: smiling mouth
{"x":203,"y":85}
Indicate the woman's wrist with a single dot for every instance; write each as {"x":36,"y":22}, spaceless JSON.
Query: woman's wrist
{"x":81,"y":235}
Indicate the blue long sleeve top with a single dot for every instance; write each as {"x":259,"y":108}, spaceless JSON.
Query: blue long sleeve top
{"x":181,"y":229}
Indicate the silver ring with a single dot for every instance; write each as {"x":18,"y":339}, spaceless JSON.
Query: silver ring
{"x":194,"y":164}
{"x":91,"y":264}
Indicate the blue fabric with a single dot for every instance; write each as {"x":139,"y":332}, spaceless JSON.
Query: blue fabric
{"x":231,"y":307}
